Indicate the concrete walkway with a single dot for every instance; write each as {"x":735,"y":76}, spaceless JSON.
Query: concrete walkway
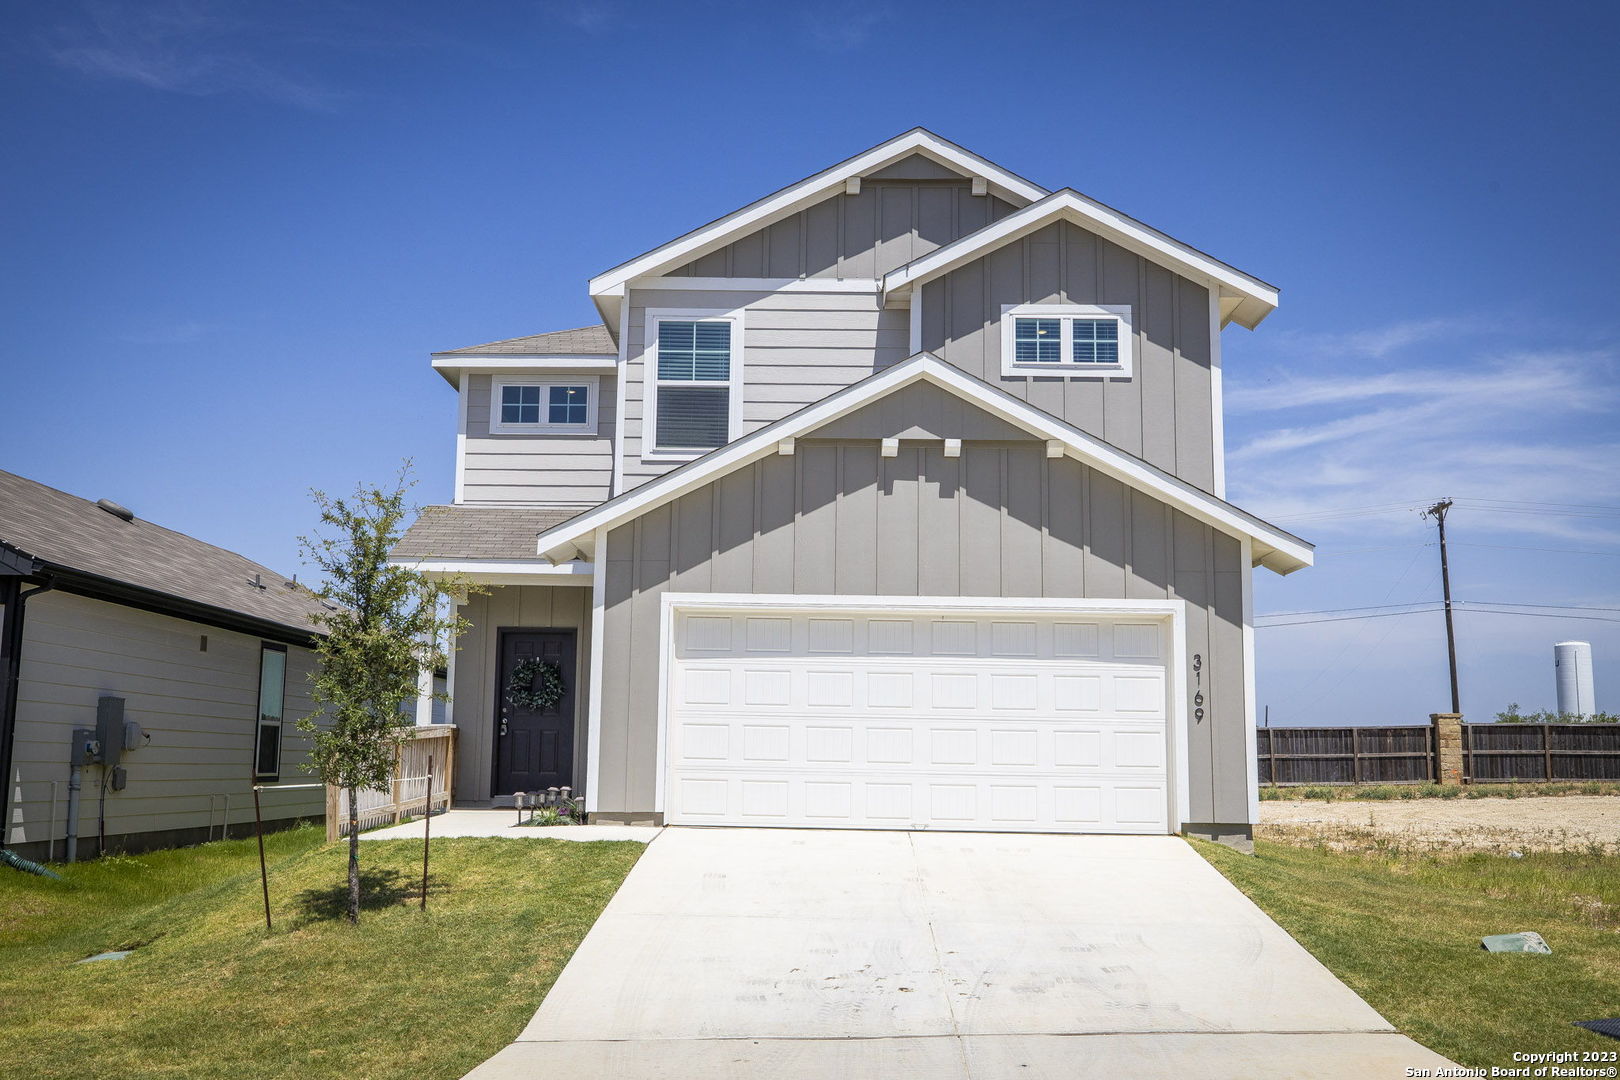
{"x":793,"y":954}
{"x":503,"y":823}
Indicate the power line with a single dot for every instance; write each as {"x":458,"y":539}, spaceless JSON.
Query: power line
{"x":1425,"y":611}
{"x":1521,"y":547}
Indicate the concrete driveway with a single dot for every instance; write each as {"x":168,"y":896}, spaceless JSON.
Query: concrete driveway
{"x":797,"y":953}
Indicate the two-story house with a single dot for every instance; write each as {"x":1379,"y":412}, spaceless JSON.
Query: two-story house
{"x":892,"y":500}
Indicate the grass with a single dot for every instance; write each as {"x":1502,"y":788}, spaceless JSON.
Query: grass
{"x":209,"y":993}
{"x":1402,"y":928}
{"x":1387,"y":792}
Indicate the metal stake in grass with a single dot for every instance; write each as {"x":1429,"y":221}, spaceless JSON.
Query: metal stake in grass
{"x":264,"y":874}
{"x":427,"y":830}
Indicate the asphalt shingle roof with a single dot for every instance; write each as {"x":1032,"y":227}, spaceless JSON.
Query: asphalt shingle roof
{"x":479,"y":532}
{"x":70,"y":533}
{"x":581,"y":341}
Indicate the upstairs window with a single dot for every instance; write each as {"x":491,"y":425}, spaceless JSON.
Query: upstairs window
{"x":1096,"y":341}
{"x":1037,"y":341}
{"x":694,"y":367}
{"x":1066,"y":340}
{"x":535,"y":405}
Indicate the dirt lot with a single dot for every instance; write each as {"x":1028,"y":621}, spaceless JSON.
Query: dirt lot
{"x":1564,"y":823}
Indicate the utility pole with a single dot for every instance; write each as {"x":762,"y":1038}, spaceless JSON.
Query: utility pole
{"x":1438,"y":512}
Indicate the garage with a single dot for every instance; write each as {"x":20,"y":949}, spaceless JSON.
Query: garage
{"x":1015,"y":716}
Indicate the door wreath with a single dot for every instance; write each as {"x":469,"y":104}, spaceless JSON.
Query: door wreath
{"x":535,"y":684}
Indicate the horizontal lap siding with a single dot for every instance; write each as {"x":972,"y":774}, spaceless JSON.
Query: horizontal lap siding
{"x":798,"y":347}
{"x":1001,"y":520}
{"x":570,"y":469}
{"x":199,"y":708}
{"x":472,"y":703}
{"x":1162,"y":413}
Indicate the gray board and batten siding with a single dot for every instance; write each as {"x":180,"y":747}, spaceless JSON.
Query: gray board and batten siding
{"x":1001,"y":520}
{"x":561,"y":469}
{"x":1163,"y":413}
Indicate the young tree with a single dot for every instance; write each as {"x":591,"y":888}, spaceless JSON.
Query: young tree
{"x":384,"y":623}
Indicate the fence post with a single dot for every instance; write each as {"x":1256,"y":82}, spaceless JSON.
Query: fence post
{"x":1448,"y":745}
{"x":331,"y":813}
{"x":1355,"y":755}
{"x":1546,"y":752}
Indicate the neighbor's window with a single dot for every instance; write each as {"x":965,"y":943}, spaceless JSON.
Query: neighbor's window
{"x":694,"y":384}
{"x":1066,"y":340}
{"x":530,"y":405}
{"x":272,"y":700}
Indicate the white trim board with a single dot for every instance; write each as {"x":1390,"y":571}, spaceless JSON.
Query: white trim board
{"x":1255,"y":299}
{"x":453,"y":367}
{"x":1179,"y":810}
{"x":503,"y":571}
{"x":608,"y":288}
{"x":761,"y":285}
{"x":1277,"y":550}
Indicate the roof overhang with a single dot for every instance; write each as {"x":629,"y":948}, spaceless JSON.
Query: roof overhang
{"x":454,"y":365}
{"x":608,"y":288}
{"x":1245,"y":299}
{"x":536,"y":571}
{"x":1272,"y":547}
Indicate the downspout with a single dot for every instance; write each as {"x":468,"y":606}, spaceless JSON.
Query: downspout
{"x":11,"y":641}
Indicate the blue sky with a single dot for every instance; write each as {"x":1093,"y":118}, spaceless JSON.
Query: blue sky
{"x":234,"y":232}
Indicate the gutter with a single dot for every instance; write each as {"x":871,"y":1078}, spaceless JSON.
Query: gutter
{"x":15,"y":600}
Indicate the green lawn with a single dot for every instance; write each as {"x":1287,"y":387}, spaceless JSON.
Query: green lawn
{"x":1403,"y":930}
{"x":208,"y":993}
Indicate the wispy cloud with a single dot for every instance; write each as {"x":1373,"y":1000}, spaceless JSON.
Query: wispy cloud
{"x":182,"y":47}
{"x":589,"y":16}
{"x":842,"y":28}
{"x":1525,"y":426}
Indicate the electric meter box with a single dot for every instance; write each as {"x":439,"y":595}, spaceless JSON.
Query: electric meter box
{"x":110,"y":730}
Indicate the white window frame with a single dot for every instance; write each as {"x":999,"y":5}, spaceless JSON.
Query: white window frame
{"x":650,"y":383}
{"x":1066,"y":367}
{"x":498,"y":383}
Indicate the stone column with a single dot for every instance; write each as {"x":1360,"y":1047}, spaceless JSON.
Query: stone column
{"x":1448,"y":747}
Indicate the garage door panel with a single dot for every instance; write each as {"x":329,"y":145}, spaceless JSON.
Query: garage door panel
{"x":883,"y":721}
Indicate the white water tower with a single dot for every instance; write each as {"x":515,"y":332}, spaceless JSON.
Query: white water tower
{"x":1572,"y":665}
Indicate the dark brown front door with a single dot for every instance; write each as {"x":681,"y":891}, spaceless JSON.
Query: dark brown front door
{"x":534,"y":748}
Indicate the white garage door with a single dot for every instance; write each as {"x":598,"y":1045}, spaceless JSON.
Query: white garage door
{"x":1040,"y":723}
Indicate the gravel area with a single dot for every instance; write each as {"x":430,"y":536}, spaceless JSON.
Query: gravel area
{"x":1528,"y":824}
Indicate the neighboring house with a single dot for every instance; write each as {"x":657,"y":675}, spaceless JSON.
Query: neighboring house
{"x":891,"y":500}
{"x":208,"y":651}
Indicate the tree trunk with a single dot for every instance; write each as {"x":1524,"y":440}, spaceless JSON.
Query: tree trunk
{"x":354,"y":855}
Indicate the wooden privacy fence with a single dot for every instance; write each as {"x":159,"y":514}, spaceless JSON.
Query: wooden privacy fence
{"x":1492,"y":753}
{"x":1497,"y":753}
{"x":1347,"y":755}
{"x":407,"y":791}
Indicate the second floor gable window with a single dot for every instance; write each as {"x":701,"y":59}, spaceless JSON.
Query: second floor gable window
{"x":1066,"y":340}
{"x":694,"y":384}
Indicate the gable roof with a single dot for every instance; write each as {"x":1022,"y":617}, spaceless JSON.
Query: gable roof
{"x":96,"y":552}
{"x":1244,"y":298}
{"x":1272,"y":547}
{"x":608,"y":287}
